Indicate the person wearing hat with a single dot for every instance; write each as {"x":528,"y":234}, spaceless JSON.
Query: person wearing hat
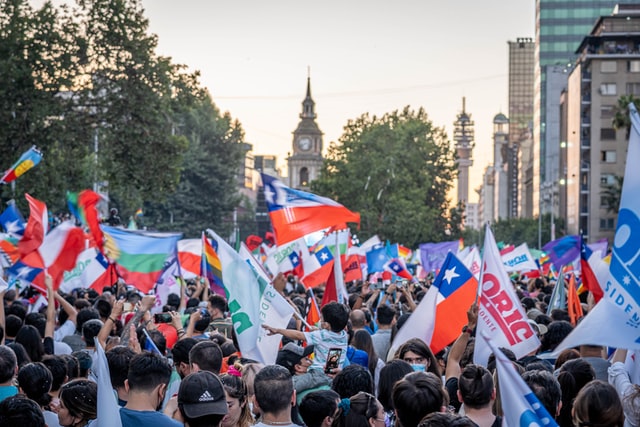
{"x":296,"y":359}
{"x":201,"y":400}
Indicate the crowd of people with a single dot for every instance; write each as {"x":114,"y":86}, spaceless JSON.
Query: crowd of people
{"x":183,"y":367}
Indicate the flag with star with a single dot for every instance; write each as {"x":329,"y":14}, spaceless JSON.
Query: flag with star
{"x":615,"y":320}
{"x":317,"y":266}
{"x":12,"y":221}
{"x":442,"y":313}
{"x":295,"y":213}
{"x":397,"y":267}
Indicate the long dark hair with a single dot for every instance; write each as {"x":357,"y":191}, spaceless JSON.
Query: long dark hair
{"x":419,"y":347}
{"x":80,"y":397}
{"x":362,"y":341}
{"x":31,"y":340}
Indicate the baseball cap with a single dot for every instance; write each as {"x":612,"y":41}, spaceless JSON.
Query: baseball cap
{"x":202,"y":393}
{"x":291,"y":354}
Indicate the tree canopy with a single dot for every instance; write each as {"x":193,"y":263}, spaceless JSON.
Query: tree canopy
{"x":396,"y":170}
{"x":85,"y":85}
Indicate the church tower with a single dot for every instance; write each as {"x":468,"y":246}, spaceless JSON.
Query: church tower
{"x":306,"y":160}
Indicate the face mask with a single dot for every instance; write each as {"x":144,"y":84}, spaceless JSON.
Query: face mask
{"x":418,"y":367}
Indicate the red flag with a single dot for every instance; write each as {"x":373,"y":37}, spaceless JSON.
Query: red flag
{"x":252,"y":241}
{"x":87,"y":201}
{"x":573,"y":303}
{"x":313,"y":312}
{"x":351,"y":268}
{"x":589,"y":280}
{"x":36,"y":228}
{"x":330,"y":290}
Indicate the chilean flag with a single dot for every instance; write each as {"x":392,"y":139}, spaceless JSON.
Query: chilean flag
{"x":296,"y":213}
{"x":57,"y":253}
{"x":396,"y":266}
{"x":318,"y":266}
{"x":442,"y":313}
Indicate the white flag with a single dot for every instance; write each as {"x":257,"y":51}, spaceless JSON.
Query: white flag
{"x":519,"y":259}
{"x":501,"y":317}
{"x":615,"y":320}
{"x":520,"y":405}
{"x":252,"y":302}
{"x":108,"y":410}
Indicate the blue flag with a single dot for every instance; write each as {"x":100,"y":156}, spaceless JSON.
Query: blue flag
{"x":376,"y":259}
{"x":12,"y":221}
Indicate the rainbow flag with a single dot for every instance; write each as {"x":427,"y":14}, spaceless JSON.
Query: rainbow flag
{"x":28,"y":160}
{"x":139,"y":213}
{"x":211,"y":268}
{"x":140,"y":256}
{"x":404,"y":252}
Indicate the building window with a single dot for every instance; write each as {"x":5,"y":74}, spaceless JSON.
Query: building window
{"x":607,"y":179}
{"x":608,"y":89}
{"x":608,"y":156}
{"x":633,"y":66}
{"x":633,"y":88}
{"x":606,"y":112}
{"x":607,"y":223}
{"x":607,"y":134}
{"x":304,"y":177}
{"x":608,"y":67}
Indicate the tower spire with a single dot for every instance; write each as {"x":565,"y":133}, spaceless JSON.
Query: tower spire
{"x":308,"y":105}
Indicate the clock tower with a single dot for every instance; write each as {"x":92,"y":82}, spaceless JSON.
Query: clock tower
{"x":305,"y":160}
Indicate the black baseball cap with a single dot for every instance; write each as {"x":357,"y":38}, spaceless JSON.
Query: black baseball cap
{"x":291,"y":354}
{"x":202,"y":393}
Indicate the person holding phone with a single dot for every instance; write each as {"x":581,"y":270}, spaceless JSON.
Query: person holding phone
{"x":332,"y":336}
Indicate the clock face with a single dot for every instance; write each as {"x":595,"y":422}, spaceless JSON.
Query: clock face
{"x":304,"y":143}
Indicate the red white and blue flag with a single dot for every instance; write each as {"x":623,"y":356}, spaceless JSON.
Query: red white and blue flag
{"x":397,"y":267}
{"x":317,"y":266}
{"x":295,"y":213}
{"x":442,"y":312}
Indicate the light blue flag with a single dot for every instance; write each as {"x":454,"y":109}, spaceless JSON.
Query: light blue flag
{"x":615,"y":320}
{"x":108,"y":409}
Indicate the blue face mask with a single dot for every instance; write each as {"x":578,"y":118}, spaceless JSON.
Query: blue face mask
{"x":418,"y":367}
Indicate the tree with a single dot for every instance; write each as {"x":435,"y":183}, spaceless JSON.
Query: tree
{"x":206,"y":194}
{"x":621,"y":118}
{"x":612,"y":194}
{"x":396,"y":170}
{"x":39,"y":51}
{"x":134,"y":96}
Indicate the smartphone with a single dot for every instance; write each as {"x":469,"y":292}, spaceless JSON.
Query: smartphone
{"x":333,"y":360}
{"x":162,"y":318}
{"x":127,"y":307}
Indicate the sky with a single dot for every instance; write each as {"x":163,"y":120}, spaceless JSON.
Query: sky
{"x":364,"y":56}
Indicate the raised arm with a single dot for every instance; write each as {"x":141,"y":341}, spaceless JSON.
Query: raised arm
{"x":292,"y":334}
{"x":458,"y":347}
{"x":51,"y":308}
{"x":116,"y":312}
{"x":147,"y":302}
{"x":71,"y":311}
